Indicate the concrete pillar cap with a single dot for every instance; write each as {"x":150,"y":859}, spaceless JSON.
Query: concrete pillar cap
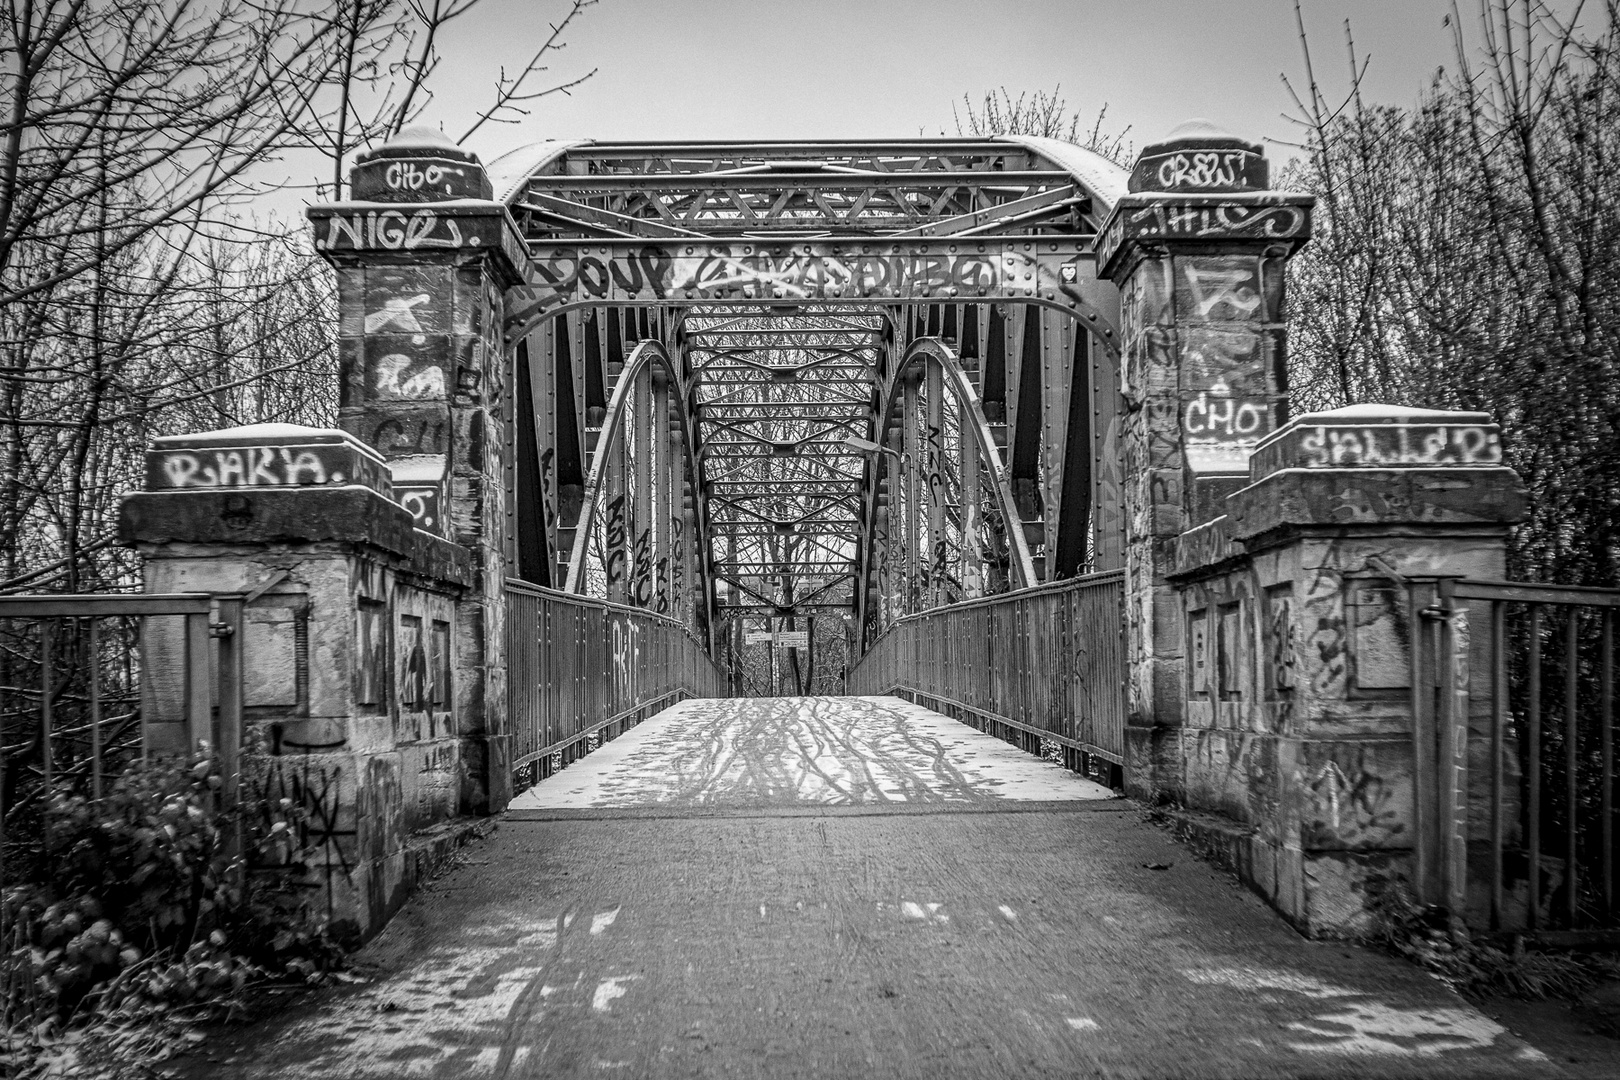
{"x":270,"y":435}
{"x":1200,"y":134}
{"x":1200,"y":157}
{"x":417,"y":142}
{"x":1376,"y":413}
{"x":418,"y":165}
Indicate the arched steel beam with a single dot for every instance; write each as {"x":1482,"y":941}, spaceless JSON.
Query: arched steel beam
{"x":645,"y":354}
{"x":934,"y":350}
{"x":509,"y":172}
{"x":1100,"y":178}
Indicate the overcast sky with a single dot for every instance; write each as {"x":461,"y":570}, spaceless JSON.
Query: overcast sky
{"x":759,"y":69}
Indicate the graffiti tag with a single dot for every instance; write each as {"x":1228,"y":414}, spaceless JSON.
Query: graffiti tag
{"x":252,"y":466}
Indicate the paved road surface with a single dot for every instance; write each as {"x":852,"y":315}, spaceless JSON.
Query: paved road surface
{"x":786,"y":888}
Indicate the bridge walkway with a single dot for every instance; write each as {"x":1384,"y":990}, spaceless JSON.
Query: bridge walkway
{"x":851,"y":887}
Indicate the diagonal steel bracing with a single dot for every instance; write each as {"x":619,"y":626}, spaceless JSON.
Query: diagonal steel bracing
{"x":794,"y":449}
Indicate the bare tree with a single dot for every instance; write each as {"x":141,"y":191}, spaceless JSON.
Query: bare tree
{"x":1468,"y":256}
{"x":137,"y":298}
{"x":1045,"y":114}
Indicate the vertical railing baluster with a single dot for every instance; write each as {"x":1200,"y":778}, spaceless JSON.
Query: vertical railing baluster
{"x":199,"y":694}
{"x":1426,"y":773}
{"x":1533,"y":840}
{"x":93,"y":674}
{"x":1498,"y":656}
{"x":46,"y":628}
{"x":1572,"y":762}
{"x":1606,"y":728}
{"x":230,"y":673}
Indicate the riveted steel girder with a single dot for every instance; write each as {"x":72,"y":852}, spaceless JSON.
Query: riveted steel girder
{"x":788,"y":284}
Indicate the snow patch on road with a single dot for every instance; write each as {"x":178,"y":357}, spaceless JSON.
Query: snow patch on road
{"x":1246,"y":978}
{"x":610,"y":990}
{"x":1363,"y":1027}
{"x":1376,"y":1028}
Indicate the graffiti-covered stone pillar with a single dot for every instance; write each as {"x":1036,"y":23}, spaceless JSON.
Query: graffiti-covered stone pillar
{"x":1309,"y":755}
{"x":347,"y":677}
{"x":422,"y":255}
{"x":1197,"y":250}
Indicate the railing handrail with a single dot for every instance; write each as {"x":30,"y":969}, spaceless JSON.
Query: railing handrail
{"x":96,"y":605}
{"x":541,"y":592}
{"x":212,"y":690}
{"x":1529,"y":592}
{"x":1043,"y":589}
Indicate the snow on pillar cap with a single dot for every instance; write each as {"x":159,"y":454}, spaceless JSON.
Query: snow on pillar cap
{"x":418,"y":165}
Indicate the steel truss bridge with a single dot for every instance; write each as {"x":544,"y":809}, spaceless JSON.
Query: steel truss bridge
{"x":784,"y":380}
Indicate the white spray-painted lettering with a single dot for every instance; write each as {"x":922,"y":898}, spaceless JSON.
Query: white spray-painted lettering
{"x":252,"y":466}
{"x":420,"y":502}
{"x":1337,"y":783}
{"x":408,"y":176}
{"x":397,"y":314}
{"x":394,"y":230}
{"x":422,"y":385}
{"x":1223,"y":417}
{"x":1213,"y":288}
{"x":1202,"y":170}
{"x":1325,"y":447}
{"x":625,"y":654}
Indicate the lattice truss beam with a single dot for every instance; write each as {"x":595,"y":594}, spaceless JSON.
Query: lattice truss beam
{"x":777,"y":399}
{"x":911,"y":188}
{"x":714,"y":457}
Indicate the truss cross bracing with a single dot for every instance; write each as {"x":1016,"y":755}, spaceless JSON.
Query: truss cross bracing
{"x":772,"y":380}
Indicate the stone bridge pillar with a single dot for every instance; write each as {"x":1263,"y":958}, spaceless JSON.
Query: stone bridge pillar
{"x":1198,"y":250}
{"x":1308,"y":752}
{"x":422,"y":256}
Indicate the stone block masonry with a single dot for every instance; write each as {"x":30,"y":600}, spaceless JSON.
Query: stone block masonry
{"x":1296,"y":740}
{"x":375,"y":553}
{"x":349,"y":699}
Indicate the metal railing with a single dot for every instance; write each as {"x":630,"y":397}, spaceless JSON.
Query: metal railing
{"x":580,"y":671}
{"x":71,"y":709}
{"x":1541,"y":815}
{"x":1046,"y":663}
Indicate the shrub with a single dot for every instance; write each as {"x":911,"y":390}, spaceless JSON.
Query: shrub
{"x":1473,"y":967}
{"x":156,"y":899}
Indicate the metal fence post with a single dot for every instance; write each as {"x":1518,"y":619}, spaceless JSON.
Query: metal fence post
{"x":229,"y":632}
{"x":1452,"y":664}
{"x":199,"y":700}
{"x":1425,"y":773}
{"x":46,"y":626}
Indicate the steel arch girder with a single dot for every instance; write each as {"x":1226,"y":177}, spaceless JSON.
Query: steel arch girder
{"x":644,"y":355}
{"x":936,"y":351}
